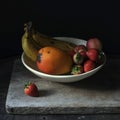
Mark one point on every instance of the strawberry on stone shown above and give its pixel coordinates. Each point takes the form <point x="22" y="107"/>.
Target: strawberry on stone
<point x="31" y="89"/>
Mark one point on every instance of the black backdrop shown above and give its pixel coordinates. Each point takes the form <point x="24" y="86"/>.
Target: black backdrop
<point x="81" y="19"/>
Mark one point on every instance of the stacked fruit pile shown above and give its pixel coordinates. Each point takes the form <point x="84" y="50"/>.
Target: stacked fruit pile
<point x="60" y="57"/>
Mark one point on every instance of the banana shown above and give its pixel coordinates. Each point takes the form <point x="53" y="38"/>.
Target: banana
<point x="43" y="40"/>
<point x="32" y="41"/>
<point x="29" y="46"/>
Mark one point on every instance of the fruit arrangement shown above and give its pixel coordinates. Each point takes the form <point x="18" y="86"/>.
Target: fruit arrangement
<point x="60" y="57"/>
<point x="87" y="57"/>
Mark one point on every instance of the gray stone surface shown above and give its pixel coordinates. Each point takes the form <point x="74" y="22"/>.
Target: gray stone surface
<point x="97" y="94"/>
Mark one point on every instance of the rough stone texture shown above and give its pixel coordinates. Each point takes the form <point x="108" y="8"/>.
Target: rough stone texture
<point x="97" y="94"/>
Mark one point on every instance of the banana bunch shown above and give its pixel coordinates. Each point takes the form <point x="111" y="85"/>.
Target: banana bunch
<point x="32" y="41"/>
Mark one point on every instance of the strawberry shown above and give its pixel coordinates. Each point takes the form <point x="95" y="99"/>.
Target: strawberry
<point x="80" y="48"/>
<point x="89" y="65"/>
<point x="77" y="69"/>
<point x="78" y="58"/>
<point x="83" y="53"/>
<point x="92" y="54"/>
<point x="31" y="90"/>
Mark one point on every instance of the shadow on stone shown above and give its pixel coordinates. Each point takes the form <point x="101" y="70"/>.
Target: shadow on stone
<point x="44" y="93"/>
<point x="101" y="81"/>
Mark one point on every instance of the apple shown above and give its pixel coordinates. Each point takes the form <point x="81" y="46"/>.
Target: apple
<point x="94" y="43"/>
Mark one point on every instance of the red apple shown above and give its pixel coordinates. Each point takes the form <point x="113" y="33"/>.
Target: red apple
<point x="94" y="43"/>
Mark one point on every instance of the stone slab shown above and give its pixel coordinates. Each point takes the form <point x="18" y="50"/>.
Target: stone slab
<point x="97" y="94"/>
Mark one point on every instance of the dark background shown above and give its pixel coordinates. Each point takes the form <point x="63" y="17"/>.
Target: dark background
<point x="82" y="19"/>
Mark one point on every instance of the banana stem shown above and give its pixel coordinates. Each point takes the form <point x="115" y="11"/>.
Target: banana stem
<point x="28" y="26"/>
<point x="27" y="29"/>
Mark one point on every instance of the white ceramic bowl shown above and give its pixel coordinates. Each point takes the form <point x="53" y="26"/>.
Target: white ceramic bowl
<point x="31" y="66"/>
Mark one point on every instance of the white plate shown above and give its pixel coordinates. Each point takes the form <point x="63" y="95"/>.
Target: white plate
<point x="31" y="66"/>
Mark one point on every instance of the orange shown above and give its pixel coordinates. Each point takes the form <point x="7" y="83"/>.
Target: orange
<point x="52" y="60"/>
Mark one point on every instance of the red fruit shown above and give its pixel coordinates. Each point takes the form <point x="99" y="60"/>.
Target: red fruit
<point x="89" y="65"/>
<point x="31" y="90"/>
<point x="83" y="53"/>
<point x="80" y="48"/>
<point x="92" y="54"/>
<point x="71" y="53"/>
<point x="94" y="43"/>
